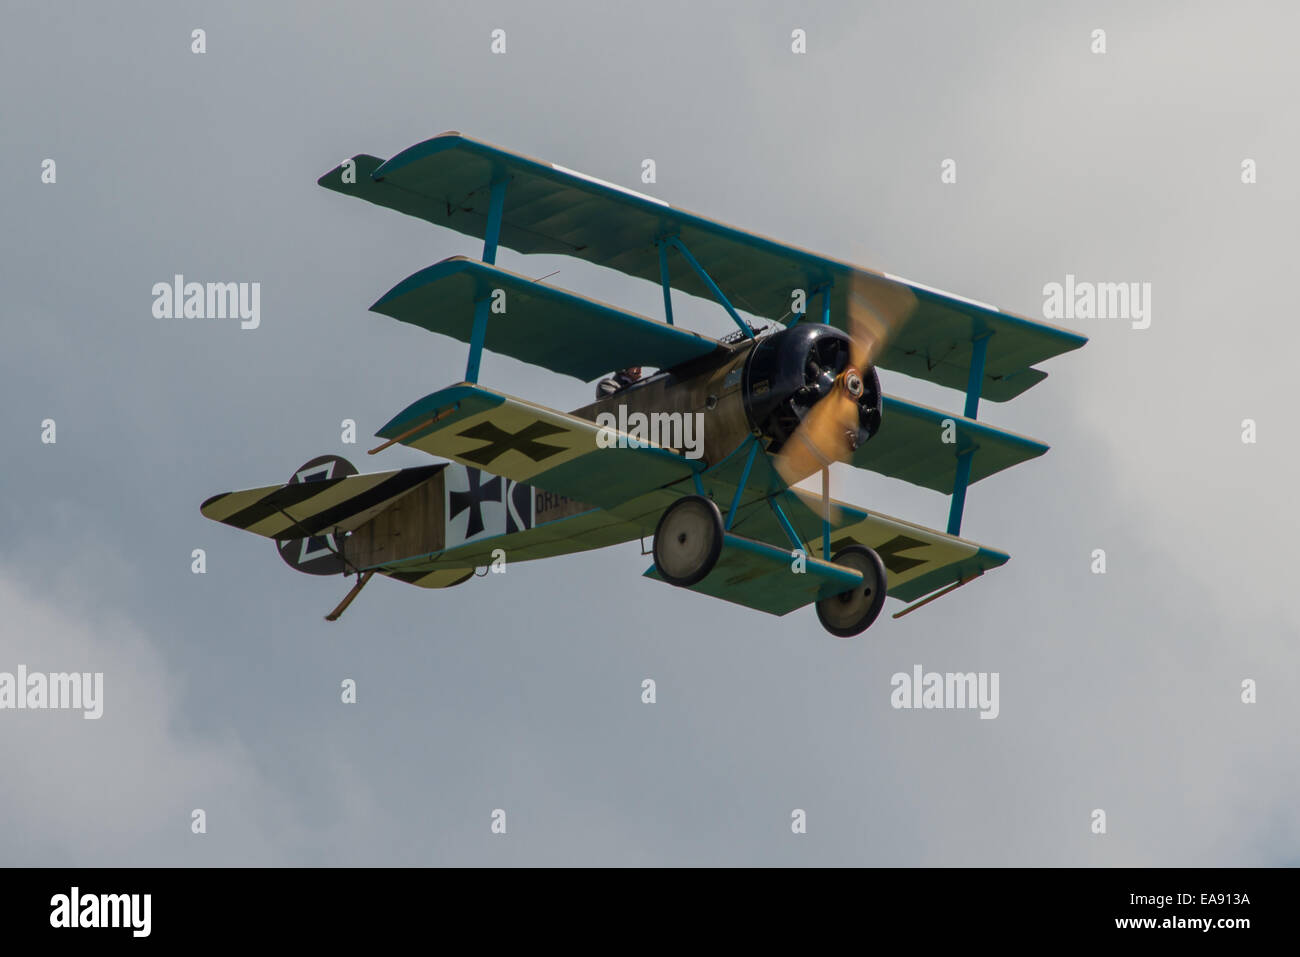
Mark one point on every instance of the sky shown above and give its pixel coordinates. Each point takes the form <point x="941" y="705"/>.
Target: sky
<point x="1120" y="692"/>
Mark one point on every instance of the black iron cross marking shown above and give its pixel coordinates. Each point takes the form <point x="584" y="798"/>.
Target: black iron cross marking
<point x="500" y="441"/>
<point x="889" y="552"/>
<point x="474" y="499"/>
<point x="896" y="563"/>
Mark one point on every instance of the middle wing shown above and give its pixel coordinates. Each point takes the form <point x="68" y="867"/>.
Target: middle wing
<point x="536" y="323"/>
<point x="923" y="446"/>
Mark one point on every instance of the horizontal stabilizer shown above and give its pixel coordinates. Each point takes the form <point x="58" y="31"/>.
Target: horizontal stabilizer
<point x="540" y="324"/>
<point x="306" y="509"/>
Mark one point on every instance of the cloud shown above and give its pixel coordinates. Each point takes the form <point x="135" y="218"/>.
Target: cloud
<point x="121" y="788"/>
<point x="522" y="691"/>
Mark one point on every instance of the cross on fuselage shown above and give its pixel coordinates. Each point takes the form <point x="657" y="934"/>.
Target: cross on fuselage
<point x="479" y="492"/>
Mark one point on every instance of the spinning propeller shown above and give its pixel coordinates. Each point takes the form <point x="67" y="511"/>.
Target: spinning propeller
<point x="876" y="309"/>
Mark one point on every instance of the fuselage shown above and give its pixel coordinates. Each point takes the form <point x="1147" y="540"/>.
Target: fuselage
<point x="758" y="387"/>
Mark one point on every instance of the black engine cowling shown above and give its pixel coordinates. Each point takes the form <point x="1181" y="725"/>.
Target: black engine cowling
<point x="787" y="373"/>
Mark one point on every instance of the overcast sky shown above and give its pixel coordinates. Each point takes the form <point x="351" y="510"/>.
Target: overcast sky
<point x="1119" y="691"/>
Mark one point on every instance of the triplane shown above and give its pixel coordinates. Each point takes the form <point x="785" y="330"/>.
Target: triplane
<point x="775" y="405"/>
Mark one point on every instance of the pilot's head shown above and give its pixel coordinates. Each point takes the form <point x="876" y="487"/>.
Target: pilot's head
<point x="632" y="372"/>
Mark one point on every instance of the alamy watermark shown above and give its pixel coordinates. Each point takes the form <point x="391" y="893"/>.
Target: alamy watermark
<point x="950" y="690"/>
<point x="179" y="299"/>
<point x="62" y="691"/>
<point x="1098" y="300"/>
<point x="683" y="431"/>
<point x="75" y="909"/>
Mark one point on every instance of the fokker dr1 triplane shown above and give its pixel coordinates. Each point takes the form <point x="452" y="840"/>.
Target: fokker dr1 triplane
<point x="773" y="405"/>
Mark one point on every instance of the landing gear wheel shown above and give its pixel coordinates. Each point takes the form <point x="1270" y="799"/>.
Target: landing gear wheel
<point x="688" y="540"/>
<point x="851" y="613"/>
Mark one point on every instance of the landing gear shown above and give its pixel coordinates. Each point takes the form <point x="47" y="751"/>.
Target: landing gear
<point x="688" y="540"/>
<point x="851" y="613"/>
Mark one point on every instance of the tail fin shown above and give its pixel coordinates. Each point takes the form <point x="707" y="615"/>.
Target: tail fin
<point x="317" y="554"/>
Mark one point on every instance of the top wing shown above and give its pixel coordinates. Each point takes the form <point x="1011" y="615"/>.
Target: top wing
<point x="551" y="450"/>
<point x="937" y="344"/>
<point x="447" y="180"/>
<point x="537" y="323"/>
